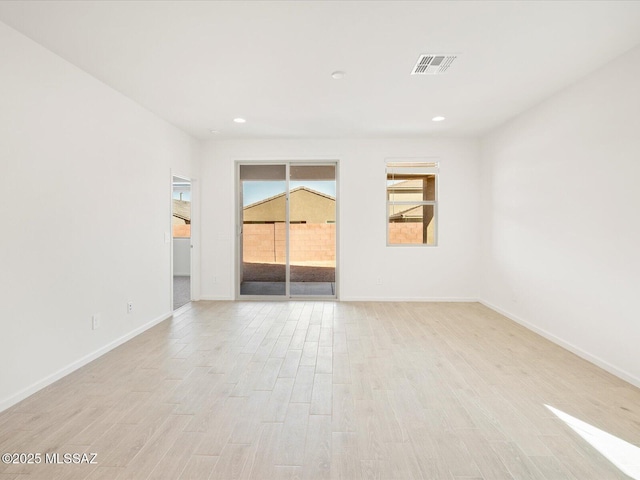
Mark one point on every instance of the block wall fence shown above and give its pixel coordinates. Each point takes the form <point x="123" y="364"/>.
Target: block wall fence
<point x="310" y="242"/>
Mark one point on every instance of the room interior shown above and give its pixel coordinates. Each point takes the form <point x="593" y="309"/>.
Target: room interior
<point x="102" y="103"/>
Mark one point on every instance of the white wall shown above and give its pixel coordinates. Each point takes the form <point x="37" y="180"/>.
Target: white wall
<point x="447" y="271"/>
<point x="182" y="256"/>
<point x="86" y="187"/>
<point x="561" y="193"/>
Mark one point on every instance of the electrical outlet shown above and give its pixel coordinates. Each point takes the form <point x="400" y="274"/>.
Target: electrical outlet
<point x="95" y="321"/>
<point x="129" y="307"/>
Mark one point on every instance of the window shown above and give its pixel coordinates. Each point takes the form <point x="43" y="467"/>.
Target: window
<point x="412" y="203"/>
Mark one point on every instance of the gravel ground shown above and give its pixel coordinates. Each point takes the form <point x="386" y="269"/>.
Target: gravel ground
<point x="268" y="272"/>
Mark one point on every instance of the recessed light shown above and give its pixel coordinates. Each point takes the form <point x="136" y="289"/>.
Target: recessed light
<point x="215" y="132"/>
<point x="338" y="75"/>
<point x="239" y="120"/>
<point x="437" y="119"/>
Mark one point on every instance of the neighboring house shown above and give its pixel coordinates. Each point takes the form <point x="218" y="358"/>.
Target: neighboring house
<point x="411" y="224"/>
<point x="181" y="219"/>
<point x="412" y="214"/>
<point x="305" y="206"/>
<point x="312" y="233"/>
<point x="416" y="189"/>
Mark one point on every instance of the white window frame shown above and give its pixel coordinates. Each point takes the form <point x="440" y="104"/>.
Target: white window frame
<point x="413" y="166"/>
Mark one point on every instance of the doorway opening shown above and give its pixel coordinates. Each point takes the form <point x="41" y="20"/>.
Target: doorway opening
<point x="287" y="230"/>
<point x="181" y="240"/>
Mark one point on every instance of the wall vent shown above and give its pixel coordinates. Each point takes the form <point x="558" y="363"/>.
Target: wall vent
<point x="433" y="63"/>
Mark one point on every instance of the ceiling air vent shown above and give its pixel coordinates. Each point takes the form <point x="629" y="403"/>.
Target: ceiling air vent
<point x="433" y="63"/>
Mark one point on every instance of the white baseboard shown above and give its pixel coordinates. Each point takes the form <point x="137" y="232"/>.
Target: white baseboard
<point x="39" y="385"/>
<point x="618" y="372"/>
<point x="215" y="298"/>
<point x="364" y="299"/>
<point x="408" y="299"/>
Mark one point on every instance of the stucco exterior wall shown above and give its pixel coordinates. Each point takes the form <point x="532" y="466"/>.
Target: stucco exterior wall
<point x="304" y="205"/>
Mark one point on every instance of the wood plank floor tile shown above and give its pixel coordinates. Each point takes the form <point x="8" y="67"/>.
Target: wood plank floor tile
<point x="232" y="462"/>
<point x="177" y="457"/>
<point x="275" y="409"/>
<point x="321" y="397"/>
<point x="324" y="361"/>
<point x="198" y="467"/>
<point x="294" y="433"/>
<point x="317" y="455"/>
<point x="289" y="368"/>
<point x="155" y="449"/>
<point x="303" y="386"/>
<point x="309" y="354"/>
<point x="340" y="390"/>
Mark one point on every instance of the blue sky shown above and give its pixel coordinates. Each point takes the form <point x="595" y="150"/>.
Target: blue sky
<point x="254" y="191"/>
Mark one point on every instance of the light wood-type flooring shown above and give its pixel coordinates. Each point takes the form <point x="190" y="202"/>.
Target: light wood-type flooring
<point x="285" y="390"/>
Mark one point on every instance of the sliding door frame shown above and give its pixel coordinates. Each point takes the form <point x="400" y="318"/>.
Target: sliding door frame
<point x="239" y="228"/>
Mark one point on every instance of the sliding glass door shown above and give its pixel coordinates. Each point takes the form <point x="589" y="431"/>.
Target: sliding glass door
<point x="287" y="230"/>
<point x="263" y="255"/>
<point x="312" y="229"/>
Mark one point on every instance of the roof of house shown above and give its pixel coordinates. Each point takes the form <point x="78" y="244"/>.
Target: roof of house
<point x="182" y="209"/>
<point x="407" y="185"/>
<point x="297" y="189"/>
<point x="409" y="212"/>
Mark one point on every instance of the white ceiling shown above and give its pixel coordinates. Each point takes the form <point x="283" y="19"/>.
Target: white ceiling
<point x="200" y="64"/>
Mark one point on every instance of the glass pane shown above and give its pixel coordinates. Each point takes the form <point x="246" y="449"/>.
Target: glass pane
<point x="312" y="230"/>
<point x="411" y="188"/>
<point x="412" y="224"/>
<point x="263" y="239"/>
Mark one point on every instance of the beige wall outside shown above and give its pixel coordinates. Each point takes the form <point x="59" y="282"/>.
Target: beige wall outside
<point x="305" y="205"/>
<point x="310" y="244"/>
<point x="403" y="233"/>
